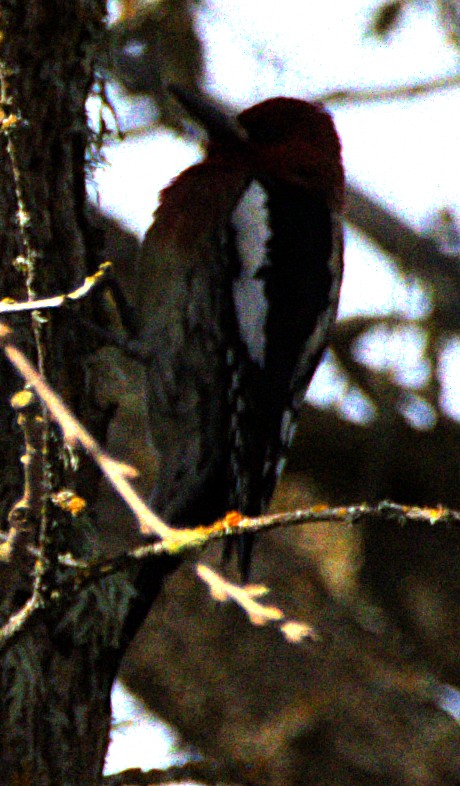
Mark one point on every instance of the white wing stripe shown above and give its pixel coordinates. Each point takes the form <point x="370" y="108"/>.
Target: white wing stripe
<point x="251" y="222"/>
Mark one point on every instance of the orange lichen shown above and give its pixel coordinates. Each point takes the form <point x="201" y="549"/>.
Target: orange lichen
<point x="70" y="502"/>
<point x="232" y="518"/>
<point x="8" y="122"/>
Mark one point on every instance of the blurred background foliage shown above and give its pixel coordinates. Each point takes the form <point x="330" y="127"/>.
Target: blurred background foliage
<point x="382" y="420"/>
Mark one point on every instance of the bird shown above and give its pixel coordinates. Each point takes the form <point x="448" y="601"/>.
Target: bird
<point x="239" y="279"/>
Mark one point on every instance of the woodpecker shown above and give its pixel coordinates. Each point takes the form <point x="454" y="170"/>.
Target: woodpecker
<point x="239" y="283"/>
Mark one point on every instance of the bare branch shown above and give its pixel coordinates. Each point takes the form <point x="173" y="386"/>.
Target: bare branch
<point x="416" y="253"/>
<point x="17" y="621"/>
<point x="74" y="432"/>
<point x="99" y="278"/>
<point x="186" y="541"/>
<point x="24" y="516"/>
<point x="192" y="770"/>
<point x="353" y="95"/>
<point x="223" y="590"/>
<point x="11" y="124"/>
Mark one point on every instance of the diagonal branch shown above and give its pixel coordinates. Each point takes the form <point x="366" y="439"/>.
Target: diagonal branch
<point x="416" y="253"/>
<point x="75" y="432"/>
<point x="351" y="95"/>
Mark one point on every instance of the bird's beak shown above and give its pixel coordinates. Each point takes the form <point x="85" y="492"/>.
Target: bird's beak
<point x="217" y="123"/>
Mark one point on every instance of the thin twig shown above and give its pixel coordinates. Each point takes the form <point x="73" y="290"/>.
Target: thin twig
<point x="246" y="598"/>
<point x="12" y="307"/>
<point x="401" y="92"/>
<point x="186" y="541"/>
<point x="25" y="513"/>
<point x="100" y="90"/>
<point x="17" y="621"/>
<point x="75" y="432"/>
<point x="10" y="126"/>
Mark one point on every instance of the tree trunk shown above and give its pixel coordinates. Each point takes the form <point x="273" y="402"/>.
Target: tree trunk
<point x="56" y="674"/>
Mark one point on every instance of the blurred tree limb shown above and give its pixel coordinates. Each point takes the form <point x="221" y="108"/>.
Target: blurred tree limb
<point x="349" y="96"/>
<point x="416" y="254"/>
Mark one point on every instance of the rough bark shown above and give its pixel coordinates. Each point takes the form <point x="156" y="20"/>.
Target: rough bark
<point x="56" y="674"/>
